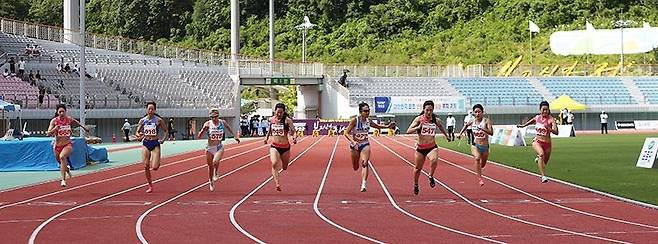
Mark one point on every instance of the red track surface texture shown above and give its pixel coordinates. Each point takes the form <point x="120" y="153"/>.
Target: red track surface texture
<point x="320" y="203"/>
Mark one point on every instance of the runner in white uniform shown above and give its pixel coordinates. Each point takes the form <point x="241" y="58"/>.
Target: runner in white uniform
<point x="215" y="148"/>
<point x="482" y="129"/>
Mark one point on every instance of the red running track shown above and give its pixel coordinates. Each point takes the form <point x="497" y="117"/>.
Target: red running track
<point x="320" y="203"/>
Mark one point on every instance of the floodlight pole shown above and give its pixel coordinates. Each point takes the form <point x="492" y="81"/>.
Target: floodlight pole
<point x="81" y="69"/>
<point x="271" y="37"/>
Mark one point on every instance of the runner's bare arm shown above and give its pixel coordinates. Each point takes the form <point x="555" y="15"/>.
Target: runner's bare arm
<point x="140" y="125"/>
<point x="75" y="122"/>
<point x="466" y="125"/>
<point x="554" y="128"/>
<point x="413" y="127"/>
<point x="349" y="128"/>
<point x="269" y="133"/>
<point x="203" y="130"/>
<point x="527" y="123"/>
<point x="488" y="127"/>
<point x="52" y="127"/>
<point x="164" y="128"/>
<point x="291" y="129"/>
<point x="228" y="127"/>
<point x="439" y="124"/>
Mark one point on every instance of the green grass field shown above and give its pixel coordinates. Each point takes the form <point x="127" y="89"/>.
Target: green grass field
<point x="605" y="163"/>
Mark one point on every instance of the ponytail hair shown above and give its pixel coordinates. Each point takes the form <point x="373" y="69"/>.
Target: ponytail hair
<point x="61" y="105"/>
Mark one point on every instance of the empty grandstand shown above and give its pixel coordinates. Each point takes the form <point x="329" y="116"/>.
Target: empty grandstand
<point x="590" y="90"/>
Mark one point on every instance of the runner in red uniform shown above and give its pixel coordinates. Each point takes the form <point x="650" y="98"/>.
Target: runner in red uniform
<point x="425" y="125"/>
<point x="280" y="127"/>
<point x="60" y="128"/>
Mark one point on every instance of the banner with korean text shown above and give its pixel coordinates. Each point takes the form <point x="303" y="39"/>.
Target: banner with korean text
<point x="413" y="105"/>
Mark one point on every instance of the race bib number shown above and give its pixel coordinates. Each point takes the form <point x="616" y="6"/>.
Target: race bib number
<point x="64" y="131"/>
<point x="277" y="130"/>
<point x="479" y="134"/>
<point x="360" y="136"/>
<point x="427" y="129"/>
<point x="216" y="134"/>
<point x="541" y="130"/>
<point x="150" y="130"/>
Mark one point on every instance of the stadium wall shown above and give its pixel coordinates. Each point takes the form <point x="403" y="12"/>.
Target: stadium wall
<point x="334" y="104"/>
<point x="582" y="121"/>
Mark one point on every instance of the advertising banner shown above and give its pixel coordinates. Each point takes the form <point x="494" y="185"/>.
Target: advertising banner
<point x="413" y="105"/>
<point x="647" y="157"/>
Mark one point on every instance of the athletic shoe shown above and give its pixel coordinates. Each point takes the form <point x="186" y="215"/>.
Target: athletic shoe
<point x="536" y="159"/>
<point x="481" y="182"/>
<point x="363" y="187"/>
<point x="544" y="179"/>
<point x="149" y="189"/>
<point x="212" y="185"/>
<point x="416" y="189"/>
<point x="278" y="188"/>
<point x="63" y="183"/>
<point x="432" y="182"/>
<point x="215" y="177"/>
<point x="68" y="171"/>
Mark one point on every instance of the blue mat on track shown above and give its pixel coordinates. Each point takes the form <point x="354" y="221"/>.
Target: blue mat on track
<point x="36" y="154"/>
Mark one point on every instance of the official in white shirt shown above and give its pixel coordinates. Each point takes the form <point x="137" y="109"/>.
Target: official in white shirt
<point x="126" y="129"/>
<point x="468" y="119"/>
<point x="450" y="123"/>
<point x="604" y="122"/>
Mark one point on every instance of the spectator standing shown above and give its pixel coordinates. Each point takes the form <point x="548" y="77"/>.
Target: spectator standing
<point x="604" y="122"/>
<point x="570" y="118"/>
<point x="450" y="123"/>
<point x="469" y="132"/>
<point x="12" y="65"/>
<point x="126" y="130"/>
<point x="172" y="132"/>
<point x="254" y="126"/>
<point x="264" y="124"/>
<point x="42" y="92"/>
<point x="244" y="125"/>
<point x="21" y="68"/>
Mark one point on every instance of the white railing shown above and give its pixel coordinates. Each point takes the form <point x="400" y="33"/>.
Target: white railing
<point x="278" y="69"/>
<point x="112" y="43"/>
<point x="489" y="70"/>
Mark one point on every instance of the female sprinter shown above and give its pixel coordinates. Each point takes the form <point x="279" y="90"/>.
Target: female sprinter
<point x="60" y="127"/>
<point x="215" y="149"/>
<point x="482" y="129"/>
<point x="544" y="126"/>
<point x="147" y="130"/>
<point x="357" y="133"/>
<point x="280" y="127"/>
<point x="425" y="125"/>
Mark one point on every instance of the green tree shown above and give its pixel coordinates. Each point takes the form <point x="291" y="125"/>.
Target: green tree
<point x="15" y="9"/>
<point x="49" y="12"/>
<point x="289" y="98"/>
<point x="248" y="108"/>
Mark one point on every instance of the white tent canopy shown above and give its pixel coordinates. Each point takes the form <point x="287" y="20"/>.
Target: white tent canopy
<point x="5" y="106"/>
<point x="604" y="41"/>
